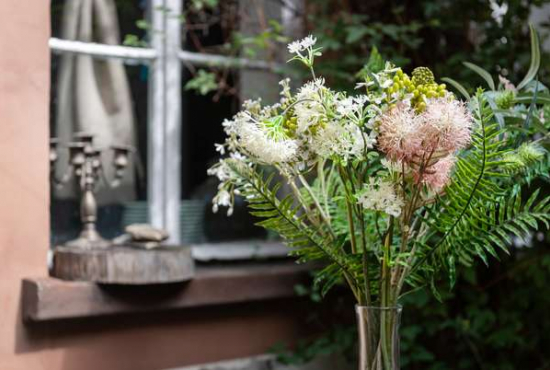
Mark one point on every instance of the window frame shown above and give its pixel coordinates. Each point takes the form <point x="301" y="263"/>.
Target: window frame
<point x="164" y="58"/>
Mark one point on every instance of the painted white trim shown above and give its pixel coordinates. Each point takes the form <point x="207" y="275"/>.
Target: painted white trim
<point x="238" y="250"/>
<point x="174" y="123"/>
<point x="212" y="60"/>
<point x="101" y="51"/>
<point x="129" y="53"/>
<point x="164" y="123"/>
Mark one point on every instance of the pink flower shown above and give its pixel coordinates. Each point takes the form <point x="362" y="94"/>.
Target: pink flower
<point x="426" y="142"/>
<point x="446" y="125"/>
<point x="398" y="134"/>
<point x="437" y="175"/>
<point x="507" y="84"/>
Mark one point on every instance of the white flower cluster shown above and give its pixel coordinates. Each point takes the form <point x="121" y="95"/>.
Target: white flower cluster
<point x="256" y="132"/>
<point x="343" y="140"/>
<point x="498" y="11"/>
<point x="301" y="45"/>
<point x="332" y="125"/>
<point x="309" y="108"/>
<point x="350" y="106"/>
<point x="380" y="195"/>
<point x="223" y="198"/>
<point x="254" y="138"/>
<point x="311" y="125"/>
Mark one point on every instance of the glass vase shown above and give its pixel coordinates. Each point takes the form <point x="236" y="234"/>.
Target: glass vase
<point x="378" y="329"/>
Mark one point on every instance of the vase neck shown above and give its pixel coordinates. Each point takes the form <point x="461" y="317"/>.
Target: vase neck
<point x="379" y="343"/>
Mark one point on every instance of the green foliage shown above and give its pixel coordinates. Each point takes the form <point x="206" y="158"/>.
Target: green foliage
<point x="199" y="5"/>
<point x="471" y="190"/>
<point x="136" y="41"/>
<point x="505" y="99"/>
<point x="339" y="339"/>
<point x="457" y="86"/>
<point x="283" y="216"/>
<point x="251" y="46"/>
<point x="375" y="64"/>
<point x="440" y="34"/>
<point x="203" y="82"/>
<point x="481" y="72"/>
<point x="482" y="209"/>
<point x="495" y="318"/>
<point x="535" y="59"/>
<point x="527" y="156"/>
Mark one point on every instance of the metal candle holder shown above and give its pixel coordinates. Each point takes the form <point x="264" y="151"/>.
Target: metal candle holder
<point x="85" y="164"/>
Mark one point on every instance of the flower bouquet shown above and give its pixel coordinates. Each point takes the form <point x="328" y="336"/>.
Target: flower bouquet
<point x="386" y="188"/>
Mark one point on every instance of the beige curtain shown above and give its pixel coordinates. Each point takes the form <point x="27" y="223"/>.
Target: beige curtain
<point x="94" y="95"/>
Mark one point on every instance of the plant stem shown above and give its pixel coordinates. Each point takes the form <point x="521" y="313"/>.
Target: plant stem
<point x="300" y="199"/>
<point x="321" y="174"/>
<point x="314" y="198"/>
<point x="349" y="208"/>
<point x="351" y="228"/>
<point x="385" y="301"/>
<point x="365" y="259"/>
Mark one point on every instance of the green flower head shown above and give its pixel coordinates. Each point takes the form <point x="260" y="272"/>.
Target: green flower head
<point x="422" y="76"/>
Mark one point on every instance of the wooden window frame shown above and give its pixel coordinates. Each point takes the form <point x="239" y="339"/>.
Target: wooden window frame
<point x="164" y="58"/>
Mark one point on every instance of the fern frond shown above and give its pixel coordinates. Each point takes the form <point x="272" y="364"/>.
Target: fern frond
<point x="510" y="218"/>
<point x="474" y="186"/>
<point x="478" y="216"/>
<point x="284" y="217"/>
<point x="473" y="182"/>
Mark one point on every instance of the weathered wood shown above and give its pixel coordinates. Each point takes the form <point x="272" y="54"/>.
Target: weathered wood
<point x="51" y="299"/>
<point x="124" y="265"/>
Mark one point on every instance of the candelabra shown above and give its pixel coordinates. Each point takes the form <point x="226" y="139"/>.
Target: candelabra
<point x="85" y="165"/>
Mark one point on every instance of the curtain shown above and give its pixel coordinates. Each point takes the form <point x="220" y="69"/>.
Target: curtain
<point x="94" y="95"/>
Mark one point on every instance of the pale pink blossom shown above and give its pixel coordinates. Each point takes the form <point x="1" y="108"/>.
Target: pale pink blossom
<point x="437" y="175"/>
<point x="507" y="84"/>
<point x="446" y="126"/>
<point x="398" y="134"/>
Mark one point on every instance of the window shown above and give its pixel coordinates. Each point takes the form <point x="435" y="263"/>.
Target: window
<point x="174" y="130"/>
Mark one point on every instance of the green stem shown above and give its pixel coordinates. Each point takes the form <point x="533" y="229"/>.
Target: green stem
<point x="385" y="301"/>
<point x="365" y="258"/>
<point x="351" y="228"/>
<point x="321" y="173"/>
<point x="314" y="198"/>
<point x="349" y="208"/>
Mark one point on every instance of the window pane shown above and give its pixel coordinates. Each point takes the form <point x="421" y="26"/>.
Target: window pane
<point x="105" y="98"/>
<point x="209" y="31"/>
<point x="94" y="83"/>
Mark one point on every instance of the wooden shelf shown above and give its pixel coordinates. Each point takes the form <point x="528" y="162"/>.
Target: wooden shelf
<point x="47" y="299"/>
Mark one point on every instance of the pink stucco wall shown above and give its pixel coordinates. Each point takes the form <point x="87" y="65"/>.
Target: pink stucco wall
<point x="24" y="85"/>
<point x="153" y="341"/>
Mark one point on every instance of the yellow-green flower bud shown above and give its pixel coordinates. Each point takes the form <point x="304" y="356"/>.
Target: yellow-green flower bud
<point x="421" y="106"/>
<point x="422" y="76"/>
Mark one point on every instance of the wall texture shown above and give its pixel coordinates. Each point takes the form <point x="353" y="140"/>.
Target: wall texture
<point x="24" y="89"/>
<point x="158" y="341"/>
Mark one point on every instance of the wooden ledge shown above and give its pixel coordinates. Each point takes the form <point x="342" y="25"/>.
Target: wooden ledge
<point x="52" y="299"/>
